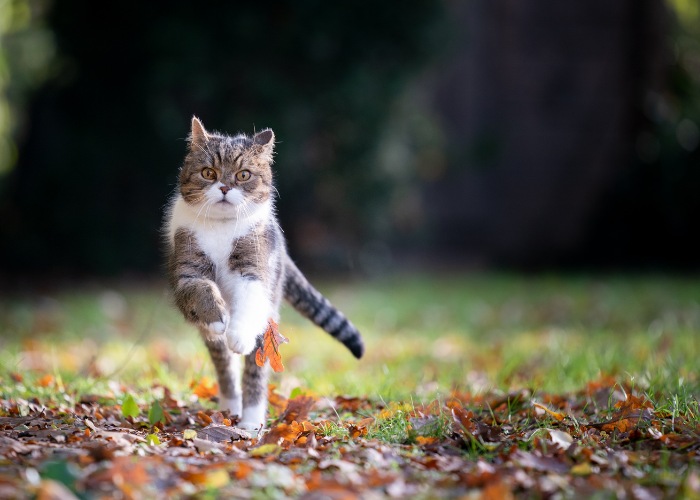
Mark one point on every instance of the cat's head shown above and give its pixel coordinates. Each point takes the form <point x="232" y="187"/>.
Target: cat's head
<point x="227" y="175"/>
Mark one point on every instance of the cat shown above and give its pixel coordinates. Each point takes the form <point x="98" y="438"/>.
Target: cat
<point x="228" y="266"/>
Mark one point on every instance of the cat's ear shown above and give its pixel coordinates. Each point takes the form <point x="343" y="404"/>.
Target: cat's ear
<point x="198" y="134"/>
<point x="265" y="138"/>
<point x="264" y="144"/>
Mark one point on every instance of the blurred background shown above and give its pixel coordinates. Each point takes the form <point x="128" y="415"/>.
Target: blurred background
<point x="459" y="134"/>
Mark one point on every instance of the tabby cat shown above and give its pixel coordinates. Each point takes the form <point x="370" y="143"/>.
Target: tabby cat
<point x="228" y="265"/>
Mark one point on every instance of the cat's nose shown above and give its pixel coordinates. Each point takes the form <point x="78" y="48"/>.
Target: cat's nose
<point x="225" y="189"/>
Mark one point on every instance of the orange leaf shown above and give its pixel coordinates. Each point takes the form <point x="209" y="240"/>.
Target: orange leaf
<point x="206" y="388"/>
<point x="270" y="349"/>
<point x="242" y="471"/>
<point x="555" y="414"/>
<point x="283" y="434"/>
<point x="276" y="400"/>
<point x="204" y="417"/>
<point x="425" y="441"/>
<point x="46" y="380"/>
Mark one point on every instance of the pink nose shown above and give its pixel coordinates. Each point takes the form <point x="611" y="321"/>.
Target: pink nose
<point x="225" y="189"/>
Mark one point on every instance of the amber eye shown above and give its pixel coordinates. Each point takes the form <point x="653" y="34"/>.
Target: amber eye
<point x="209" y="174"/>
<point x="243" y="175"/>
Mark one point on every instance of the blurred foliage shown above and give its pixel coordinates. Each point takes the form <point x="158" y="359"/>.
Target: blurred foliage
<point x="95" y="106"/>
<point x="651" y="215"/>
<point x="107" y="130"/>
<point x="26" y="49"/>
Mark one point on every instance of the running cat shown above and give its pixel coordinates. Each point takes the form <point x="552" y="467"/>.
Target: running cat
<point x="228" y="265"/>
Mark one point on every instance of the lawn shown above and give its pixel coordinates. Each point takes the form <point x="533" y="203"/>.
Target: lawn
<point x="479" y="385"/>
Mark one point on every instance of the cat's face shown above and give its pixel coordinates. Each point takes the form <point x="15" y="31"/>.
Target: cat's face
<point x="225" y="176"/>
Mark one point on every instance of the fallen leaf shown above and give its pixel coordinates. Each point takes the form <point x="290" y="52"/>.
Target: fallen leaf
<point x="204" y="418"/>
<point x="155" y="413"/>
<point x="206" y="388"/>
<point x="270" y="349"/>
<point x="46" y="380"/>
<point x="298" y="409"/>
<point x="554" y="414"/>
<point x="129" y="407"/>
<point x="189" y="434"/>
<point x="425" y="441"/>
<point x="562" y="439"/>
<point x="242" y="471"/>
<point x="276" y="400"/>
<point x="283" y="434"/>
<point x="582" y="469"/>
<point x="210" y="479"/>
<point x="222" y="433"/>
<point x="538" y="462"/>
<point x="153" y="439"/>
<point x="496" y="491"/>
<point x="266" y="450"/>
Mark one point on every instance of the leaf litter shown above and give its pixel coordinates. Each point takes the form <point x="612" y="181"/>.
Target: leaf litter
<point x="494" y="445"/>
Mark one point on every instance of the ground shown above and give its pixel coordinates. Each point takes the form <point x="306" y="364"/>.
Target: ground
<point x="490" y="386"/>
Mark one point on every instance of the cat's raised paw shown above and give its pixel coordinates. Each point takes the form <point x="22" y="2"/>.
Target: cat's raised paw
<point x="241" y="344"/>
<point x="218" y="327"/>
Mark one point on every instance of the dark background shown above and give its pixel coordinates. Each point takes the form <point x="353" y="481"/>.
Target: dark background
<point x="502" y="134"/>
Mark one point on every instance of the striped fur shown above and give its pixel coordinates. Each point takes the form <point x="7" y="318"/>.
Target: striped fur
<point x="228" y="265"/>
<point x="311" y="304"/>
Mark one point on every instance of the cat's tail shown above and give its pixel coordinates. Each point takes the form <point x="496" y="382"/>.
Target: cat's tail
<point x="310" y="303"/>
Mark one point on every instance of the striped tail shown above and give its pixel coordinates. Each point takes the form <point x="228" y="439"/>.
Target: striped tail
<point x="310" y="303"/>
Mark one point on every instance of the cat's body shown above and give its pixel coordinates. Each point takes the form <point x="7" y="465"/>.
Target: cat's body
<point x="228" y="265"/>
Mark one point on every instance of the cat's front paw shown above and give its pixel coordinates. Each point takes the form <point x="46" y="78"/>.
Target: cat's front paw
<point x="243" y="333"/>
<point x="241" y="344"/>
<point x="216" y="328"/>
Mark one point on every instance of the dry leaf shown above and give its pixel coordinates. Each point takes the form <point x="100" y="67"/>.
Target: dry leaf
<point x="270" y="349"/>
<point x="46" y="380"/>
<point x="206" y="388"/>
<point x="554" y="414"/>
<point x="298" y="408"/>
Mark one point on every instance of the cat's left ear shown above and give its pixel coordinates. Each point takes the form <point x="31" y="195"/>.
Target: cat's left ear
<point x="265" y="138"/>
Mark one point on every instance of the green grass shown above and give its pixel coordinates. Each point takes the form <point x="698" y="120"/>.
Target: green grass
<point x="425" y="336"/>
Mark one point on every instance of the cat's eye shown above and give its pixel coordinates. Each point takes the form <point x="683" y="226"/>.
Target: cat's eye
<point x="209" y="174"/>
<point x="243" y="175"/>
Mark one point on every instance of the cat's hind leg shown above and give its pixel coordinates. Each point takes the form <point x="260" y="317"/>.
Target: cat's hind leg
<point x="254" y="393"/>
<point x="228" y="372"/>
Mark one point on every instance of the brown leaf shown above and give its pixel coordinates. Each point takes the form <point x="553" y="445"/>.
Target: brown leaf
<point x="217" y="418"/>
<point x="276" y="400"/>
<point x="535" y="461"/>
<point x="496" y="491"/>
<point x="204" y="418"/>
<point x="352" y="404"/>
<point x="628" y="415"/>
<point x="298" y="408"/>
<point x="222" y="433"/>
<point x="283" y="434"/>
<point x="272" y="339"/>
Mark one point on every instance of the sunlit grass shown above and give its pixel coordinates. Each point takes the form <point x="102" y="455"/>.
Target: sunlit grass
<point x="425" y="337"/>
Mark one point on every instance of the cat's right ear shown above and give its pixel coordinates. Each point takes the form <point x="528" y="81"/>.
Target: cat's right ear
<point x="198" y="135"/>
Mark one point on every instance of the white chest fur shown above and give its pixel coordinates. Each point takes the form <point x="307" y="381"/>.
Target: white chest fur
<point x="215" y="236"/>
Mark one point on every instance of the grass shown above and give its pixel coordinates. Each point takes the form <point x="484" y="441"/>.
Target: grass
<point x="425" y="337"/>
